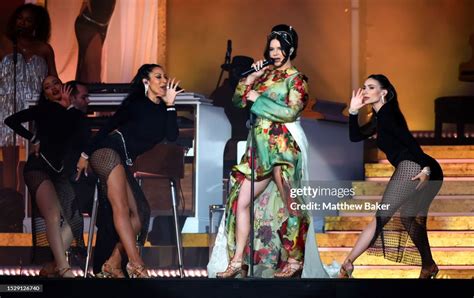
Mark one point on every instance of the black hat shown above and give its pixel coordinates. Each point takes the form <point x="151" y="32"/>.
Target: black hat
<point x="239" y="62"/>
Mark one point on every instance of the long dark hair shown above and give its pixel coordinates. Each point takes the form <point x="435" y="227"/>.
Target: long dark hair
<point x="42" y="97"/>
<point x="288" y="39"/>
<point x="390" y="99"/>
<point x="137" y="89"/>
<point x="42" y="23"/>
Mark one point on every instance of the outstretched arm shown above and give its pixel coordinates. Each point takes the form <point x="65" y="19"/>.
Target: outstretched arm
<point x="15" y="122"/>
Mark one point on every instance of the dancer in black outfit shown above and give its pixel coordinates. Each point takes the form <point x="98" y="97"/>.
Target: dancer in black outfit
<point x="399" y="233"/>
<point x="49" y="187"/>
<point x="146" y="117"/>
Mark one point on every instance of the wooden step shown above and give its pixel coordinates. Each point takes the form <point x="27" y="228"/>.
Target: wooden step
<point x="448" y="272"/>
<point x="329" y="239"/>
<point x="25" y="239"/>
<point x="348" y="239"/>
<point x="449" y="170"/>
<point x="377" y="188"/>
<point x="442" y="257"/>
<point x="441" y="205"/>
<point x="437" y="239"/>
<point x="437" y="152"/>
<point x="435" y="223"/>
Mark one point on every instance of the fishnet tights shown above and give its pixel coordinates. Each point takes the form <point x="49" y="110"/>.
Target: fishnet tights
<point x="69" y="212"/>
<point x="103" y="161"/>
<point x="400" y="233"/>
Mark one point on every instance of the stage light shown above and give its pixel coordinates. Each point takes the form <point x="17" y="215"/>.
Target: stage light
<point x="154" y="273"/>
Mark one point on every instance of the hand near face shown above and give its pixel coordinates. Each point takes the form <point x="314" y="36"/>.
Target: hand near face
<point x="260" y="70"/>
<point x="65" y="96"/>
<point x="171" y="92"/>
<point x="357" y="100"/>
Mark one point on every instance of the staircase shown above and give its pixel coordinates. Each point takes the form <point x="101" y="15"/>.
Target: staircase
<point x="450" y="221"/>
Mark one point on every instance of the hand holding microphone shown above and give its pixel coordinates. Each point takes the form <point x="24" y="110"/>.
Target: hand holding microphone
<point x="257" y="69"/>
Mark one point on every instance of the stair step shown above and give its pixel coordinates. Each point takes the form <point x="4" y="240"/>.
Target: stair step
<point x="449" y="170"/>
<point x="441" y="205"/>
<point x="25" y="239"/>
<point x="328" y="239"/>
<point x="437" y="152"/>
<point x="435" y="223"/>
<point x="377" y="188"/>
<point x="437" y="239"/>
<point x="448" y="272"/>
<point x="442" y="256"/>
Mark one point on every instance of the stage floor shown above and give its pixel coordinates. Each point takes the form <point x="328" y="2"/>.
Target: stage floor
<point x="210" y="288"/>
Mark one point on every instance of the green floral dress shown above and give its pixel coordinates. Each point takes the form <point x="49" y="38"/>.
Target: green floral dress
<point x="280" y="232"/>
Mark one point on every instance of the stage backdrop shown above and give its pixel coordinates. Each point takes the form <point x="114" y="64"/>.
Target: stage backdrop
<point x="115" y="37"/>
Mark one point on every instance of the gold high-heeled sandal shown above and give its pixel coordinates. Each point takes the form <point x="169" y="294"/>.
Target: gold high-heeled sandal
<point x="234" y="270"/>
<point x="108" y="271"/>
<point x="290" y="270"/>
<point x="48" y="270"/>
<point x="63" y="271"/>
<point x="429" y="273"/>
<point x="137" y="271"/>
<point x="345" y="272"/>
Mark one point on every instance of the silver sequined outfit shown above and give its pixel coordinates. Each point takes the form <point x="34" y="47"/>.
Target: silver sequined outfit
<point x="30" y="75"/>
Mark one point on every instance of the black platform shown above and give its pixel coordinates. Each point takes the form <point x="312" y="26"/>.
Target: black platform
<point x="203" y="287"/>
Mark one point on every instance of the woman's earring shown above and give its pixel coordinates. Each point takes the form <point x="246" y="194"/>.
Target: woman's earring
<point x="146" y="89"/>
<point x="383" y="99"/>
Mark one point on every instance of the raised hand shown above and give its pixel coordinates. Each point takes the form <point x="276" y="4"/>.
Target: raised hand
<point x="171" y="92"/>
<point x="65" y="96"/>
<point x="357" y="100"/>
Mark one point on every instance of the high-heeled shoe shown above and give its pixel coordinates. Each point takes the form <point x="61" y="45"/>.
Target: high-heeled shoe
<point x="346" y="269"/>
<point x="66" y="272"/>
<point x="292" y="269"/>
<point x="234" y="269"/>
<point x="430" y="272"/>
<point x="48" y="270"/>
<point x="107" y="271"/>
<point x="137" y="271"/>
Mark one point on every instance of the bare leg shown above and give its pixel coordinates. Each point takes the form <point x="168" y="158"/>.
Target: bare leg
<point x="92" y="60"/>
<point x="48" y="204"/>
<point x="362" y="242"/>
<point x="243" y="215"/>
<point x="66" y="235"/>
<point x="115" y="260"/>
<point x="118" y="197"/>
<point x="279" y="181"/>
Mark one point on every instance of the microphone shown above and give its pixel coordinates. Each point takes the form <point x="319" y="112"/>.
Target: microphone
<point x="18" y="32"/>
<point x="252" y="70"/>
<point x="229" y="51"/>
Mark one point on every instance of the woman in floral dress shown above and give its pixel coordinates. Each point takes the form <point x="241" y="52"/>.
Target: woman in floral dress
<point x="284" y="238"/>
